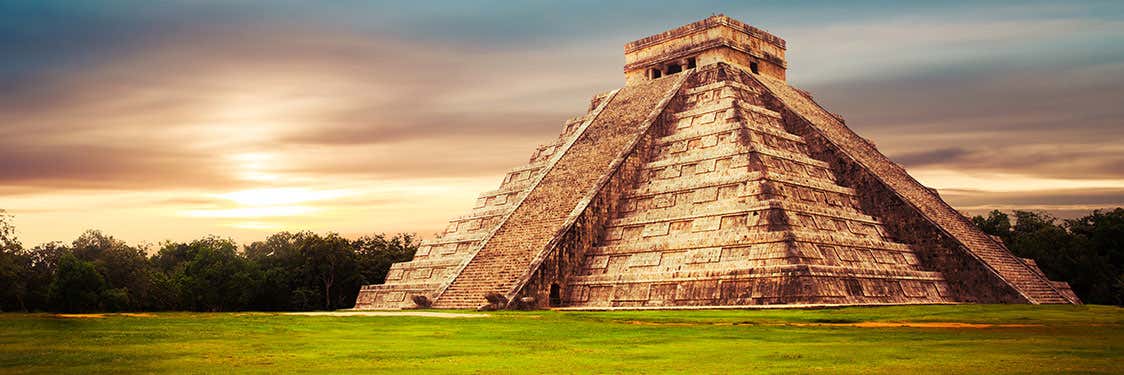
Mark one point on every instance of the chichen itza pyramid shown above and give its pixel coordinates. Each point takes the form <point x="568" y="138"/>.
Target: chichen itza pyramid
<point x="708" y="181"/>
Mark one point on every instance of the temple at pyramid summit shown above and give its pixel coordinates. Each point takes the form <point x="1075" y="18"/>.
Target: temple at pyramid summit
<point x="708" y="181"/>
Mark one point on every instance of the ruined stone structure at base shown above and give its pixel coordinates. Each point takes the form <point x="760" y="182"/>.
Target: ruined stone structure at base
<point x="708" y="181"/>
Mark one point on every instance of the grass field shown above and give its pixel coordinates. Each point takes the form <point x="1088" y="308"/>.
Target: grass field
<point x="996" y="339"/>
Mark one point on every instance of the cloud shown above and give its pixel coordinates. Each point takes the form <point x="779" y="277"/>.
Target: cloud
<point x="904" y="46"/>
<point x="148" y="143"/>
<point x="93" y="166"/>
<point x="1064" y="203"/>
<point x="1076" y="162"/>
<point x="1046" y="121"/>
<point x="142" y="118"/>
<point x="938" y="156"/>
<point x="175" y="114"/>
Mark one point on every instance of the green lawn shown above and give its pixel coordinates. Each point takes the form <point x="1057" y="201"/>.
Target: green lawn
<point x="1048" y="339"/>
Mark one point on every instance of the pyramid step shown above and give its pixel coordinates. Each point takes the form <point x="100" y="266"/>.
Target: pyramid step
<point x="733" y="145"/>
<point x="926" y="202"/>
<point x="508" y="254"/>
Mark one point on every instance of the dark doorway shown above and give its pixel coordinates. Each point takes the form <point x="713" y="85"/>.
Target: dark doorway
<point x="555" y="295"/>
<point x="753" y="68"/>
<point x="691" y="63"/>
<point x="656" y="73"/>
<point x="674" y="68"/>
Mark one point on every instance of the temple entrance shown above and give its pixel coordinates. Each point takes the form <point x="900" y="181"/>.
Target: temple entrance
<point x="555" y="295"/>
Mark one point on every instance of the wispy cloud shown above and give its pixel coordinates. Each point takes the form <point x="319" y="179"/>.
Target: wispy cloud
<point x="170" y="120"/>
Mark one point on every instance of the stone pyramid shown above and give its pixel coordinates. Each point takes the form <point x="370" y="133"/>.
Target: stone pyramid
<point x="708" y="181"/>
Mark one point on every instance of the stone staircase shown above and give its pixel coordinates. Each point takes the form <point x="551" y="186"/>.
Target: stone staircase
<point x="436" y="258"/>
<point x="507" y="255"/>
<point x="1030" y="284"/>
<point x="729" y="209"/>
<point x="716" y="185"/>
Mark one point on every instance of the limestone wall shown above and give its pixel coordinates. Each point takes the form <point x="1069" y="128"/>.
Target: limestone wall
<point x="519" y="245"/>
<point x="979" y="268"/>
<point x="440" y="258"/>
<point x="730" y="210"/>
<point x="709" y="41"/>
<point x="712" y="187"/>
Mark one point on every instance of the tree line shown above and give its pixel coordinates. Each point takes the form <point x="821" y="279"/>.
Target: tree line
<point x="1087" y="252"/>
<point x="286" y="271"/>
<point x="307" y="271"/>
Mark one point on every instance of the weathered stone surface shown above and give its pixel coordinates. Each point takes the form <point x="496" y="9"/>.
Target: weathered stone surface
<point x="716" y="184"/>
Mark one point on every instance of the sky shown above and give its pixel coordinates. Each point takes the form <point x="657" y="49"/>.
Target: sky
<point x="155" y="121"/>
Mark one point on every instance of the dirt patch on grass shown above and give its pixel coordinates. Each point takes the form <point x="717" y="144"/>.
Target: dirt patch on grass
<point x="429" y="314"/>
<point x="953" y="325"/>
<point x="947" y="325"/>
<point x="80" y="316"/>
<point x="100" y="316"/>
<point x="643" y="323"/>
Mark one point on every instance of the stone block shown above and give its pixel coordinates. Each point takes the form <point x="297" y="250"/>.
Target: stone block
<point x="706" y="223"/>
<point x="645" y="259"/>
<point x="630" y="292"/>
<point x="740" y="190"/>
<point x="704" y="255"/>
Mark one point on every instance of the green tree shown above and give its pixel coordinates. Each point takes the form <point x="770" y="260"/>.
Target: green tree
<point x="43" y="262"/>
<point x="281" y="264"/>
<point x="330" y="260"/>
<point x="165" y="293"/>
<point x="1062" y="255"/>
<point x="8" y="239"/>
<point x="206" y="275"/>
<point x="996" y="223"/>
<point x="123" y="267"/>
<point x="375" y="254"/>
<point x="1105" y="231"/>
<point x="78" y="287"/>
<point x="1037" y="236"/>
<point x="14" y="267"/>
<point x="1086" y="252"/>
<point x="306" y="270"/>
<point x="1102" y="236"/>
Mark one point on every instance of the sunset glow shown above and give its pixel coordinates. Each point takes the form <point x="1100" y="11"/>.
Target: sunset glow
<point x="175" y="121"/>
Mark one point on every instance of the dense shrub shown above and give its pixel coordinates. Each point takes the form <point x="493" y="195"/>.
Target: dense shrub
<point x="1087" y="252"/>
<point x="286" y="271"/>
